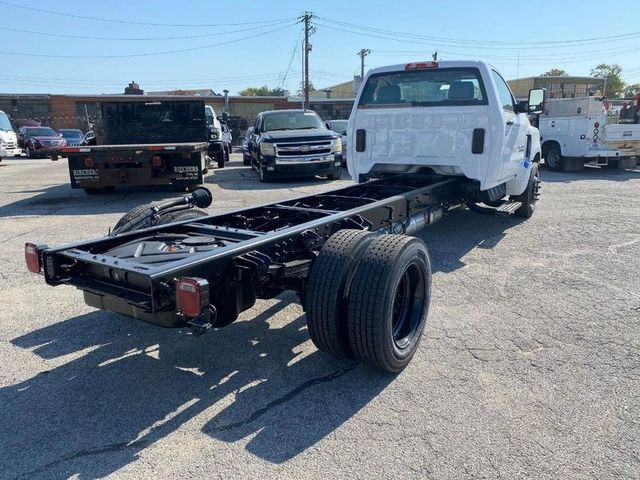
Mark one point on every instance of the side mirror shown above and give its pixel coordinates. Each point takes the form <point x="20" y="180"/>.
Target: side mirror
<point x="537" y="99"/>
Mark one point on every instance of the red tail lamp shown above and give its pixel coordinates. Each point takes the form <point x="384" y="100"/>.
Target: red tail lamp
<point x="192" y="296"/>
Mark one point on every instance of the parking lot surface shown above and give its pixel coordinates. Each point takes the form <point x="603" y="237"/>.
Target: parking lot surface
<point x="529" y="368"/>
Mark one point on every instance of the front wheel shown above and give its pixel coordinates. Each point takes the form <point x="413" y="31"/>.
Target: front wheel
<point x="529" y="197"/>
<point x="29" y="152"/>
<point x="264" y="176"/>
<point x="553" y="159"/>
<point x="334" y="176"/>
<point x="389" y="301"/>
<point x="220" y="157"/>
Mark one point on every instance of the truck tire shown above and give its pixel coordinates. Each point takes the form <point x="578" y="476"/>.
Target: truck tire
<point x="263" y="175"/>
<point x="529" y="197"/>
<point x="389" y="301"/>
<point x="328" y="290"/>
<point x="246" y="161"/>
<point x="220" y="158"/>
<point x="553" y="159"/>
<point x="334" y="176"/>
<point x="628" y="162"/>
<point x="134" y="218"/>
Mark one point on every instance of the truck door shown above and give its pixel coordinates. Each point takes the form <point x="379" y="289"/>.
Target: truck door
<point x="515" y="130"/>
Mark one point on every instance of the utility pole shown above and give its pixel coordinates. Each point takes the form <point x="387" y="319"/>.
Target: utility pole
<point x="363" y="53"/>
<point x="308" y="30"/>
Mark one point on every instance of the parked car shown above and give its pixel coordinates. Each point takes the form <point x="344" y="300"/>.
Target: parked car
<point x="340" y="127"/>
<point x="73" y="136"/>
<point x="294" y="143"/>
<point x="246" y="147"/>
<point x="40" y="141"/>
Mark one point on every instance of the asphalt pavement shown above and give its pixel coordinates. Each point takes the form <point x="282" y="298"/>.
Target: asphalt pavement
<point x="529" y="366"/>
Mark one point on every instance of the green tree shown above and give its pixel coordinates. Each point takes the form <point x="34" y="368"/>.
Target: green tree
<point x="611" y="72"/>
<point x="556" y="72"/>
<point x="263" y="91"/>
<point x="630" y="91"/>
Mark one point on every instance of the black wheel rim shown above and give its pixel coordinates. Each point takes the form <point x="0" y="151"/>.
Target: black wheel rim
<point x="408" y="306"/>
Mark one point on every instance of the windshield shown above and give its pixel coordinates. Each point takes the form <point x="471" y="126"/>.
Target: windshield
<point x="4" y="122"/>
<point x="71" y="133"/>
<point x="338" y="125"/>
<point x="291" y="121"/>
<point x="41" y="132"/>
<point x="425" y="88"/>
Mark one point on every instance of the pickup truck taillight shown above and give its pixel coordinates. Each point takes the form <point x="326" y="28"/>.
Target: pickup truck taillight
<point x="192" y="296"/>
<point x="32" y="257"/>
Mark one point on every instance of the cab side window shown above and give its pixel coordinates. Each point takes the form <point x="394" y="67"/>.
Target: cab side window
<point x="503" y="91"/>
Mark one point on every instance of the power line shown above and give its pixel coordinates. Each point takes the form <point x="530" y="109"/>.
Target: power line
<point x="474" y="42"/>
<point x="149" y="54"/>
<point x="413" y="39"/>
<point x="130" y="22"/>
<point x="185" y="37"/>
<point x="293" y="54"/>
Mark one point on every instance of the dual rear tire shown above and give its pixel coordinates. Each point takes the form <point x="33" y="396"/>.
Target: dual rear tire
<point x="368" y="298"/>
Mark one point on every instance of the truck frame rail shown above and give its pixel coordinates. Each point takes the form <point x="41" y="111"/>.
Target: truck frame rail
<point x="249" y="253"/>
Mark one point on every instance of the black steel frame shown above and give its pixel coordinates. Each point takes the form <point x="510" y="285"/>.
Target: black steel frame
<point x="265" y="249"/>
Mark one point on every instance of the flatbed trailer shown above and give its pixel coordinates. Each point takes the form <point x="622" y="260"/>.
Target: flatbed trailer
<point x="346" y="252"/>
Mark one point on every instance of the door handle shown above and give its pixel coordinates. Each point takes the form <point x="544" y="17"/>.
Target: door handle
<point x="509" y="123"/>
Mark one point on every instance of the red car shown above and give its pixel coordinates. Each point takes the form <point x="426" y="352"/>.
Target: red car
<point x="39" y="141"/>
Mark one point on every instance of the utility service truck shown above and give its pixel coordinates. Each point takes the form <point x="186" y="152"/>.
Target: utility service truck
<point x="143" y="142"/>
<point x="581" y="131"/>
<point x="429" y="138"/>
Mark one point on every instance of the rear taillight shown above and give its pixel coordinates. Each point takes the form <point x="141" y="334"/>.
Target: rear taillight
<point x="32" y="257"/>
<point x="192" y="296"/>
<point x="88" y="162"/>
<point x="156" y="161"/>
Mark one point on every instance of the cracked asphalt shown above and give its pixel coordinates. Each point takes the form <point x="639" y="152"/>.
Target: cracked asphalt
<point x="529" y="367"/>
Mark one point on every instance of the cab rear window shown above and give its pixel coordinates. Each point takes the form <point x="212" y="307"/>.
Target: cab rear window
<point x="424" y="88"/>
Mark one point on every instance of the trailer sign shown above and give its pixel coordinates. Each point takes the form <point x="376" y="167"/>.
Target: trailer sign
<point x="86" y="174"/>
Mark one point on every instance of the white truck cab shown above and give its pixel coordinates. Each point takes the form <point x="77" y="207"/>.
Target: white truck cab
<point x="8" y="139"/>
<point x="449" y="117"/>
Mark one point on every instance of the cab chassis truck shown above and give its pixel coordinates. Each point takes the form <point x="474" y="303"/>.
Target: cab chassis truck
<point x="364" y="283"/>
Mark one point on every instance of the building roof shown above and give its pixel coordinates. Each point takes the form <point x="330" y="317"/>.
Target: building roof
<point x="196" y="92"/>
<point x="565" y="79"/>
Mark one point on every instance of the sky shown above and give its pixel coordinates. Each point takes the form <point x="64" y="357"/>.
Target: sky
<point x="95" y="46"/>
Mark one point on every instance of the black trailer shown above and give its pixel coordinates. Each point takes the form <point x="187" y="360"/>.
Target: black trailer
<point x="364" y="283"/>
<point x="142" y="142"/>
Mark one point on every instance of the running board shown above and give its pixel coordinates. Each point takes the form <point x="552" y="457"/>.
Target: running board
<point x="507" y="208"/>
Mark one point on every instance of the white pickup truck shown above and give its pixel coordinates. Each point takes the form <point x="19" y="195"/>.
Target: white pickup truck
<point x="450" y="117"/>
